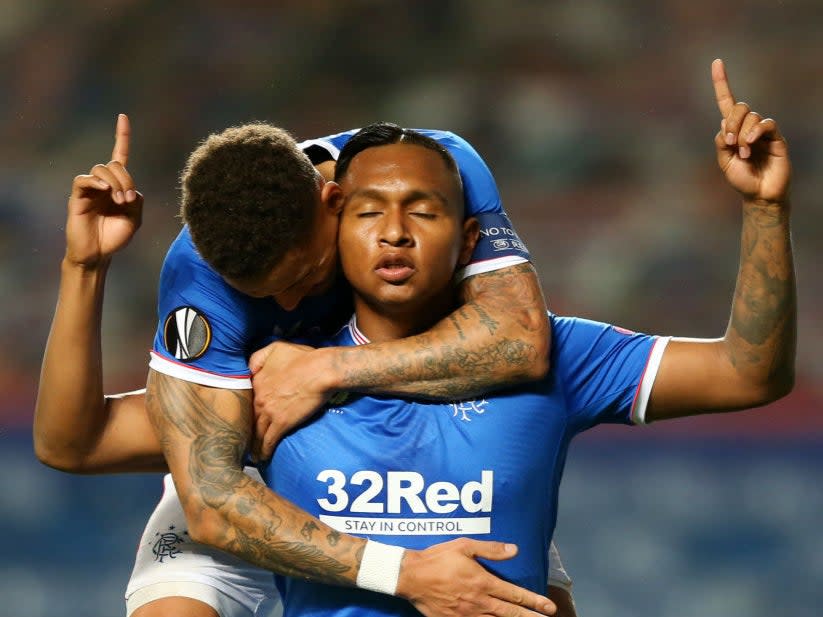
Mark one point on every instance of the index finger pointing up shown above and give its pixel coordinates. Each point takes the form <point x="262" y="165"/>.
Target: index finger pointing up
<point x="122" y="133"/>
<point x="722" y="91"/>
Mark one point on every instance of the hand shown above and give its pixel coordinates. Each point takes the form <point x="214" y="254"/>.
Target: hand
<point x="104" y="209"/>
<point x="288" y="388"/>
<point x="445" y="580"/>
<point x="750" y="149"/>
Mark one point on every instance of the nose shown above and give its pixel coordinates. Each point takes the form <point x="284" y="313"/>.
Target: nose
<point x="394" y="230"/>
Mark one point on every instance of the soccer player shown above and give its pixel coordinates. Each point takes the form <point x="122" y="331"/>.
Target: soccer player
<point x="413" y="472"/>
<point x="230" y="324"/>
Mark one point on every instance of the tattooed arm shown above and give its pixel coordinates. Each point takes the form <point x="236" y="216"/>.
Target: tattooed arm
<point x="753" y="364"/>
<point x="498" y="337"/>
<point x="204" y="433"/>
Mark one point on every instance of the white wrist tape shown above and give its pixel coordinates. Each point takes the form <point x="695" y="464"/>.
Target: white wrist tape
<point x="380" y="567"/>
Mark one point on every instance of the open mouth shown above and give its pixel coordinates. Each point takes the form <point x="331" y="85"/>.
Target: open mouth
<point x="395" y="269"/>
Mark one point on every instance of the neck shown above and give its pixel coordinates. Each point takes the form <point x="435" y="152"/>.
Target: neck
<point x="381" y="323"/>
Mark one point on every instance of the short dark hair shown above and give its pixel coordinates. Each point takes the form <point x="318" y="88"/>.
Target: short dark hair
<point x="385" y="134"/>
<point x="249" y="196"/>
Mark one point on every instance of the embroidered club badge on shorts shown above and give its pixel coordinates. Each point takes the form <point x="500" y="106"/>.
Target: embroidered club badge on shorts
<point x="186" y="333"/>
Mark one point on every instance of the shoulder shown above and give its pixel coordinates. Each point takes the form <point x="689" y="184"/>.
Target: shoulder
<point x="182" y="252"/>
<point x="574" y="338"/>
<point x="184" y="264"/>
<point x="186" y="280"/>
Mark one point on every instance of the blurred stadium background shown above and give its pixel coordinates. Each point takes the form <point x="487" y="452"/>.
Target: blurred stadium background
<point x="597" y="118"/>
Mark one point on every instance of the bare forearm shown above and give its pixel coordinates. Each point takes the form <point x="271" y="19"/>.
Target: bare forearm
<point x="225" y="507"/>
<point x="761" y="336"/>
<point x="70" y="409"/>
<point x="500" y="336"/>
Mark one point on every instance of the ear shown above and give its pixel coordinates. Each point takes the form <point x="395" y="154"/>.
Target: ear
<point x="332" y="198"/>
<point x="471" y="231"/>
<point x="326" y="169"/>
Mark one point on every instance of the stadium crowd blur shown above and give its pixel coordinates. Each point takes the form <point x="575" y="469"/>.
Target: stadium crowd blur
<point x="596" y="117"/>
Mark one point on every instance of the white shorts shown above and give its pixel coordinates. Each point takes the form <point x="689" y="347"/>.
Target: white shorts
<point x="169" y="563"/>
<point x="558" y="577"/>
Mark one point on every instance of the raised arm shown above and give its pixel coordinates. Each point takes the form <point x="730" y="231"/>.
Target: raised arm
<point x="753" y="364"/>
<point x="75" y="427"/>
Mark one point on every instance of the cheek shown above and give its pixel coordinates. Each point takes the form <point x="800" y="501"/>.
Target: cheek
<point x="350" y="248"/>
<point x="442" y="256"/>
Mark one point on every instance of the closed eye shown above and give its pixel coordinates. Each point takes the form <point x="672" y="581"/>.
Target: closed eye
<point x="370" y="214"/>
<point x="424" y="215"/>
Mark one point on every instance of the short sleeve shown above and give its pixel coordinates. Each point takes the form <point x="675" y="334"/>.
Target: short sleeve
<point x="205" y="328"/>
<point x="606" y="372"/>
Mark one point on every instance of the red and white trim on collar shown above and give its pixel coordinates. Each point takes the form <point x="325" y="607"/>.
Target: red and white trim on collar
<point x="356" y="334"/>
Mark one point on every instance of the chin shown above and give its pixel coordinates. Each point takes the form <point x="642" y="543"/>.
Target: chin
<point x="396" y="298"/>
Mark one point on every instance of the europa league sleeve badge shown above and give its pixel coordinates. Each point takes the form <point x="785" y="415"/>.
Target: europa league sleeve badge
<point x="186" y="333"/>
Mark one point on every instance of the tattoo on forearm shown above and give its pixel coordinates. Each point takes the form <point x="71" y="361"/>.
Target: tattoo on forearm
<point x="765" y="293"/>
<point x="256" y="525"/>
<point x="457" y="327"/>
<point x="308" y="529"/>
<point x="295" y="558"/>
<point x="449" y="371"/>
<point x="480" y="350"/>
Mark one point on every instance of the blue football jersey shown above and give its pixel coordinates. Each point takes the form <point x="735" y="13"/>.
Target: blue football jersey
<point x="415" y="473"/>
<point x="207" y="330"/>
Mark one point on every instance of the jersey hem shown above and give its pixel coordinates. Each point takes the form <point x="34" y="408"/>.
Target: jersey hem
<point x="222" y="599"/>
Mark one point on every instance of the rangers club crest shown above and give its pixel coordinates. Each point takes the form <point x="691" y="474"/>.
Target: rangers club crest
<point x="465" y="409"/>
<point x="167" y="544"/>
<point x="186" y="333"/>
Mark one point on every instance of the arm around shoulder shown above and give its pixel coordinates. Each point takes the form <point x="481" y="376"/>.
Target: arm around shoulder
<point x="498" y="337"/>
